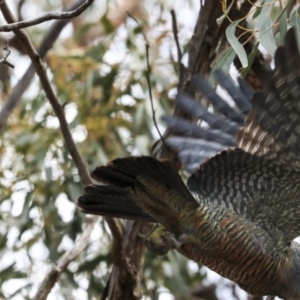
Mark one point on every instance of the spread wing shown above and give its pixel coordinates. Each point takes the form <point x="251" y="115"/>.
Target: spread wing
<point x="272" y="128"/>
<point x="254" y="187"/>
<point x="260" y="179"/>
<point x="195" y="144"/>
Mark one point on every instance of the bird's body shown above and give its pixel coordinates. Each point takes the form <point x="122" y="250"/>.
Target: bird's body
<point x="240" y="210"/>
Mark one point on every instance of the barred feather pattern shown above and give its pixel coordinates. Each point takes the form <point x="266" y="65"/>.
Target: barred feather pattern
<point x="240" y="210"/>
<point x="272" y="128"/>
<point x="256" y="188"/>
<point x="212" y="234"/>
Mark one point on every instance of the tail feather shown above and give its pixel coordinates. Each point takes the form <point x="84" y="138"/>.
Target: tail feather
<point x="137" y="188"/>
<point x="111" y="201"/>
<point x="124" y="172"/>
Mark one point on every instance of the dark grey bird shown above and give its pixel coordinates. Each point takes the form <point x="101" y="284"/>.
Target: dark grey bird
<point x="240" y="210"/>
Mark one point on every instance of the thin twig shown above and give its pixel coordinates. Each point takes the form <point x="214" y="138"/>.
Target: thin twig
<point x="6" y="55"/>
<point x="106" y="289"/>
<point x="19" y="15"/>
<point x="175" y="33"/>
<point x="147" y="46"/>
<point x="82" y="242"/>
<point x="52" y="276"/>
<point x="58" y="109"/>
<point x="47" y="17"/>
<point x="23" y="83"/>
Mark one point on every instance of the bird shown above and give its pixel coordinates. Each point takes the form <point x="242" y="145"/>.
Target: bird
<point x="239" y="212"/>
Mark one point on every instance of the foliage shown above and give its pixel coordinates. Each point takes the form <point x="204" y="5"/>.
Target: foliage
<point x="98" y="72"/>
<point x="103" y="89"/>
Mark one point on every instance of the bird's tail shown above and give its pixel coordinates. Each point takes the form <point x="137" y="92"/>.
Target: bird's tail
<point x="138" y="188"/>
<point x="110" y="201"/>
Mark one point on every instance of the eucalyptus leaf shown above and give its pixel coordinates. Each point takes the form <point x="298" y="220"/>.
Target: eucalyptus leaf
<point x="295" y="21"/>
<point x="223" y="62"/>
<point x="266" y="37"/>
<point x="235" y="44"/>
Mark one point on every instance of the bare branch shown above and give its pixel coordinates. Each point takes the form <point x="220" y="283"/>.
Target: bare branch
<point x="58" y="109"/>
<point x="125" y="278"/>
<point x="47" y="17"/>
<point x="147" y="46"/>
<point x="83" y="241"/>
<point x="23" y="83"/>
<point x="19" y="8"/>
<point x="63" y="262"/>
<point x="117" y="233"/>
<point x="175" y="33"/>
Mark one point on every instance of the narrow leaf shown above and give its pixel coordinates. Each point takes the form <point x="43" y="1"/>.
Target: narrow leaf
<point x="295" y="21"/>
<point x="235" y="44"/>
<point x="223" y="62"/>
<point x="250" y="60"/>
<point x="266" y="37"/>
<point x="258" y="11"/>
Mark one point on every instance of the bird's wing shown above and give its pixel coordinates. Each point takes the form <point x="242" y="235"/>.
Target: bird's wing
<point x="221" y="129"/>
<point x="261" y="182"/>
<point x="254" y="187"/>
<point x="272" y="122"/>
<point x="153" y="190"/>
<point x="215" y="236"/>
<point x="272" y="128"/>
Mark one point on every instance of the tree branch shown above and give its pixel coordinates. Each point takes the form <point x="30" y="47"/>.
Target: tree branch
<point x="24" y="82"/>
<point x="148" y="71"/>
<point x="207" y="42"/>
<point x="125" y="278"/>
<point x="82" y="242"/>
<point x="47" y="17"/>
<point x="58" y="109"/>
<point x="175" y="33"/>
<point x="3" y="60"/>
<point x="55" y="271"/>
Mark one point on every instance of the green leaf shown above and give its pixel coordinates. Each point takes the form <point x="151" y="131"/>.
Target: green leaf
<point x="109" y="27"/>
<point x="10" y="272"/>
<point x="235" y="44"/>
<point x="250" y="60"/>
<point x="266" y="37"/>
<point x="283" y="26"/>
<point x="224" y="62"/>
<point x="89" y="265"/>
<point x="258" y="11"/>
<point x="265" y="12"/>
<point x="295" y="21"/>
<point x="74" y="190"/>
<point x="282" y="19"/>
